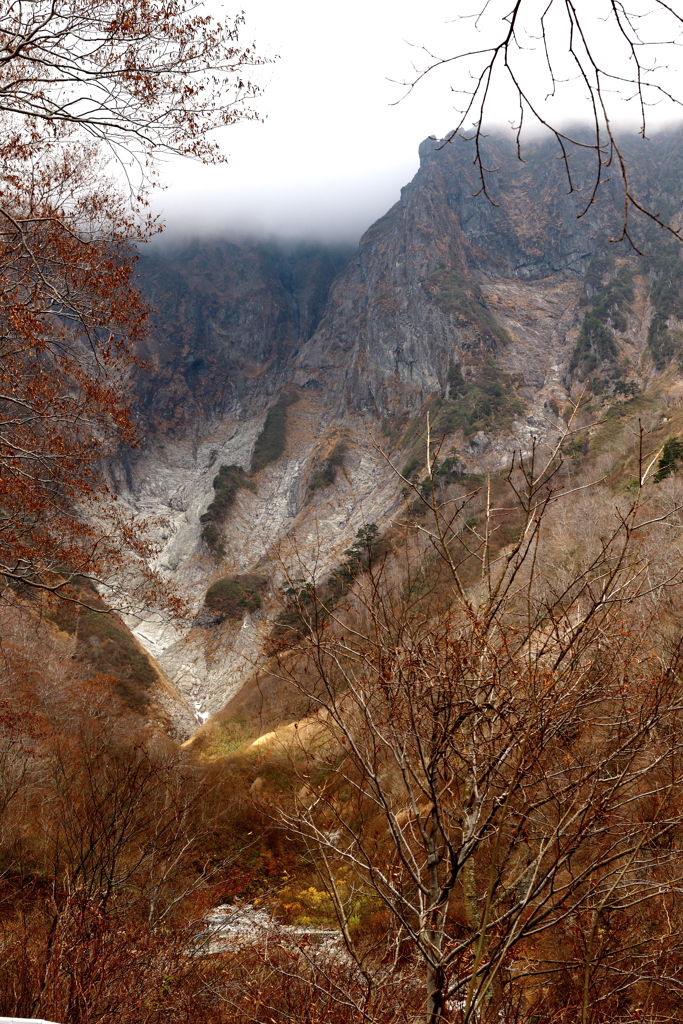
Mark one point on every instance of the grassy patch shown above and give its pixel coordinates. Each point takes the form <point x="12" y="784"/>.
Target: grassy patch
<point x="393" y="428"/>
<point x="104" y="643"/>
<point x="111" y="649"/>
<point x="327" y="474"/>
<point x="226" y="483"/>
<point x="270" y="444"/>
<point x="231" y="596"/>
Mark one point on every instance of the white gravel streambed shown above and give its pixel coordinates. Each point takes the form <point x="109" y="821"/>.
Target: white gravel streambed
<point x="230" y="927"/>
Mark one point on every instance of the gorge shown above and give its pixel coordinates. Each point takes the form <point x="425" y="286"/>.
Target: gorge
<point x="472" y="308"/>
<point x="377" y="719"/>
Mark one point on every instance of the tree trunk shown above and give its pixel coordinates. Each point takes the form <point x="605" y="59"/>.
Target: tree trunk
<point x="436" y="1010"/>
<point x="436" y="980"/>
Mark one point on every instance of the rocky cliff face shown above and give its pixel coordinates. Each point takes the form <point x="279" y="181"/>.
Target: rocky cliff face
<point x="227" y="320"/>
<point x="447" y="276"/>
<point x="414" y="298"/>
<point x="487" y="314"/>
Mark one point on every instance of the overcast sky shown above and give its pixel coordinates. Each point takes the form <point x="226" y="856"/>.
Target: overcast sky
<point x="339" y="140"/>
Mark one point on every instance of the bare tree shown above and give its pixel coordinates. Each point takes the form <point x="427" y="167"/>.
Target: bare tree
<point x="497" y="759"/>
<point x="113" y="845"/>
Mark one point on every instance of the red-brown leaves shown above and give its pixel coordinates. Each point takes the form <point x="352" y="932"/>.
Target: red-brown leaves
<point x="136" y="78"/>
<point x="70" y="321"/>
<point x="142" y="76"/>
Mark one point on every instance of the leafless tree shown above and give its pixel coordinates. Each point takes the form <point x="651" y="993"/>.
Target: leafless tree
<point x="113" y="845"/>
<point x="497" y="759"/>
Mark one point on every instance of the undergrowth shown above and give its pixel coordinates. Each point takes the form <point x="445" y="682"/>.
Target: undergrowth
<point x="270" y="444"/>
<point x="113" y="651"/>
<point x="231" y="596"/>
<point x="226" y="483"/>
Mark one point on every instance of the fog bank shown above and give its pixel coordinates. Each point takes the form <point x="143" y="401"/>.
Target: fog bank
<point x="336" y="210"/>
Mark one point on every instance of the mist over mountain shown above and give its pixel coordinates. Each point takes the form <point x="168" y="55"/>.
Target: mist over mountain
<point x="228" y="318"/>
<point x="337" y="210"/>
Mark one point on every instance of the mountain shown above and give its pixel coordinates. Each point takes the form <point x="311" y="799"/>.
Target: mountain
<point x="302" y="369"/>
<point x="228" y="319"/>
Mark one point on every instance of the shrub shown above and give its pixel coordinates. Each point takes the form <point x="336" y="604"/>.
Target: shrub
<point x="270" y="444"/>
<point x="231" y="596"/>
<point x="671" y="456"/>
<point x="627" y="389"/>
<point x="359" y="557"/>
<point x="411" y="466"/>
<point x="447" y="471"/>
<point x="484" y="402"/>
<point x="306" y="605"/>
<point x="326" y="476"/>
<point x="226" y="483"/>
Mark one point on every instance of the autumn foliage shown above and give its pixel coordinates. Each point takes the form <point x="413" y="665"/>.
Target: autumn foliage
<point x="113" y="845"/>
<point x="69" y="322"/>
<point x="90" y="93"/>
<point x="491" y="755"/>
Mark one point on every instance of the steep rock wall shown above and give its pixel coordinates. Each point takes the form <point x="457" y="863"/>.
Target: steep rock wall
<point x="414" y="296"/>
<point x="227" y="319"/>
